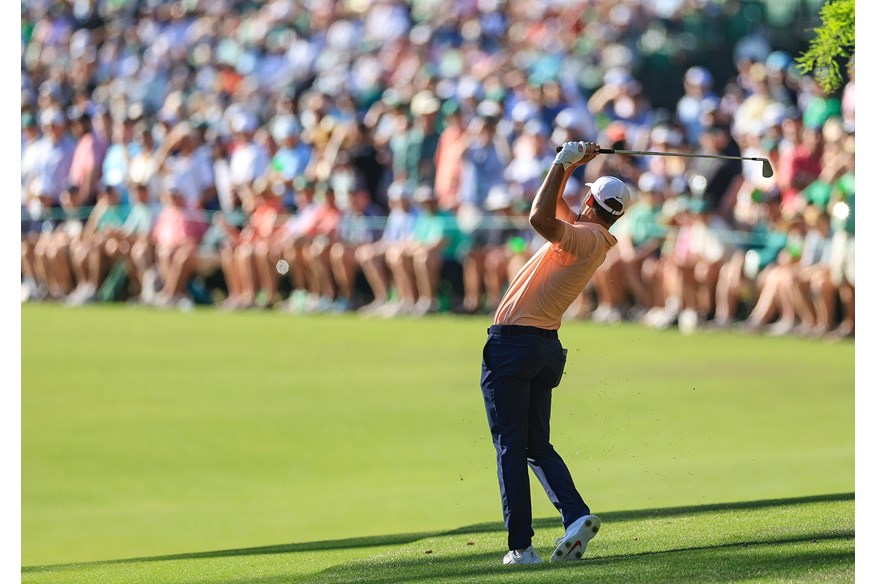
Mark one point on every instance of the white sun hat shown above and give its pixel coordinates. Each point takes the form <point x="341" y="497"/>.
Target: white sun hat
<point x="610" y="193"/>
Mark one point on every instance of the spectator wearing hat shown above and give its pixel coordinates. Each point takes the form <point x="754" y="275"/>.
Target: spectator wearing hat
<point x="666" y="138"/>
<point x="121" y="149"/>
<point x="417" y="162"/>
<point x="531" y="152"/>
<point x="397" y="232"/>
<point x="698" y="96"/>
<point x="177" y="158"/>
<point x="485" y="157"/>
<point x="49" y="164"/>
<point x="249" y="159"/>
<point x="620" y="99"/>
<point x="44" y="186"/>
<point x="293" y="155"/>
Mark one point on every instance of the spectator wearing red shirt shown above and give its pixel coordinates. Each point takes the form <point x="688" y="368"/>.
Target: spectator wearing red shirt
<point x="799" y="165"/>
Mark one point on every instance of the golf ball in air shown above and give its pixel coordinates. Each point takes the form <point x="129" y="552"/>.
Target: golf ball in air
<point x="282" y="267"/>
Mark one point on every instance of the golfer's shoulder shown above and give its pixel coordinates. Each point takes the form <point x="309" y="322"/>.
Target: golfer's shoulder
<point x="590" y="232"/>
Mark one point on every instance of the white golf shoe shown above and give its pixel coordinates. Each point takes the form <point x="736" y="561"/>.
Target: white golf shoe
<point x="572" y="545"/>
<point x="527" y="556"/>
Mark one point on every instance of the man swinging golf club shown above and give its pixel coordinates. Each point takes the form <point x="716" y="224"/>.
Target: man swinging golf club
<point x="523" y="359"/>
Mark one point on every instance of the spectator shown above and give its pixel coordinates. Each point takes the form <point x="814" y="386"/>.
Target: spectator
<point x="416" y="267"/>
<point x="358" y="226"/>
<point x="448" y="157"/>
<point x="698" y="96"/>
<point x="179" y="161"/>
<point x="315" y="254"/>
<point x="250" y="267"/>
<point x="485" y="157"/>
<point x="640" y="237"/>
<point x="86" y="168"/>
<point x="175" y="238"/>
<point x="493" y="230"/>
<point x="90" y="252"/>
<point x="397" y="231"/>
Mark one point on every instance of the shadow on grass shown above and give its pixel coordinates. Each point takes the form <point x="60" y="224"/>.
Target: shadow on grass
<point x="619" y="516"/>
<point x="401" y="539"/>
<point x="767" y="560"/>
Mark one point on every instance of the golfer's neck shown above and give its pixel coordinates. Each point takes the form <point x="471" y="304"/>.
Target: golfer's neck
<point x="586" y="217"/>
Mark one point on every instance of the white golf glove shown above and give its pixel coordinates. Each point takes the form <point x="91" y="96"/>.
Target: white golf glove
<point x="570" y="153"/>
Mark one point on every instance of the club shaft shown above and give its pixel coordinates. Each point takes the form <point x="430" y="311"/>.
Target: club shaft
<point x="685" y="155"/>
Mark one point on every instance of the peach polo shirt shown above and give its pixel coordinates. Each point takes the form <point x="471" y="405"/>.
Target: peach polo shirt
<point x="546" y="285"/>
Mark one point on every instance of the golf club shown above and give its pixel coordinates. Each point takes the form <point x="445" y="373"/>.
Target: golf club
<point x="767" y="167"/>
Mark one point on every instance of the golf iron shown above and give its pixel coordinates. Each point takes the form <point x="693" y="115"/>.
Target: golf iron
<point x="767" y="167"/>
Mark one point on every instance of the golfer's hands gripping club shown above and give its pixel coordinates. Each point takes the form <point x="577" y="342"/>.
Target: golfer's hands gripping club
<point x="574" y="154"/>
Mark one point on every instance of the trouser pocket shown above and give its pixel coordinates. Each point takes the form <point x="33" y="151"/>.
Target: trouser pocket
<point x="561" y="366"/>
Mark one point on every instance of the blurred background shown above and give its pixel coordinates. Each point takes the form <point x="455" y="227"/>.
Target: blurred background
<point x="381" y="156"/>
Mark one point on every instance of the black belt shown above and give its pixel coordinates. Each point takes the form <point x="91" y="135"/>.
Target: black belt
<point x="513" y="329"/>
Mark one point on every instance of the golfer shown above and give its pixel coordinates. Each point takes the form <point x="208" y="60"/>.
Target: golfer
<point x="523" y="359"/>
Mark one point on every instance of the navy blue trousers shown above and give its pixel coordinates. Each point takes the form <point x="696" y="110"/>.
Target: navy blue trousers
<point x="521" y="366"/>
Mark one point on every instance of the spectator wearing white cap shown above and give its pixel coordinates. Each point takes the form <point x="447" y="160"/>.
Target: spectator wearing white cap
<point x="249" y="159"/>
<point x="531" y="153"/>
<point x="621" y="99"/>
<point x="177" y="160"/>
<point x="52" y="157"/>
<point x="421" y="141"/>
<point x="485" y="157"/>
<point x="698" y="94"/>
<point x="292" y="155"/>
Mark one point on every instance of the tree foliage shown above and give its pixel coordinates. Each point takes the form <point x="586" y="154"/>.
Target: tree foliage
<point x="834" y="40"/>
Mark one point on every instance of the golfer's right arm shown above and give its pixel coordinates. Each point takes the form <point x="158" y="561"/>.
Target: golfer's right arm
<point x="548" y="210"/>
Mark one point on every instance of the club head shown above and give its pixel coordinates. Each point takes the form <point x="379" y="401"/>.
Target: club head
<point x="767" y="168"/>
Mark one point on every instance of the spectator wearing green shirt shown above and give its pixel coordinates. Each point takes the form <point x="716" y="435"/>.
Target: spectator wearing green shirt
<point x="91" y="251"/>
<point x="842" y="252"/>
<point x="416" y="267"/>
<point x="640" y="236"/>
<point x="133" y="242"/>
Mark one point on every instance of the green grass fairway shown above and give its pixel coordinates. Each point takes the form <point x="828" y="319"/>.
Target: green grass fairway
<point x="151" y="433"/>
<point x="792" y="540"/>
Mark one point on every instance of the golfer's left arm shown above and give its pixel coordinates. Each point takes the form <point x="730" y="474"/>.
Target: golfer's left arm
<point x="548" y="211"/>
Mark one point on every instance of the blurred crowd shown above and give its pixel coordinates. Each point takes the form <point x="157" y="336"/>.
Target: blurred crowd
<point x="381" y="156"/>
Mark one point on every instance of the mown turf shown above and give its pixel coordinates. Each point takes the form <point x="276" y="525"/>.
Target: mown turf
<point x="148" y="433"/>
<point x="792" y="540"/>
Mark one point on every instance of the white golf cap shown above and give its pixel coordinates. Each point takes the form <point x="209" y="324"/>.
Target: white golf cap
<point x="610" y="193"/>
